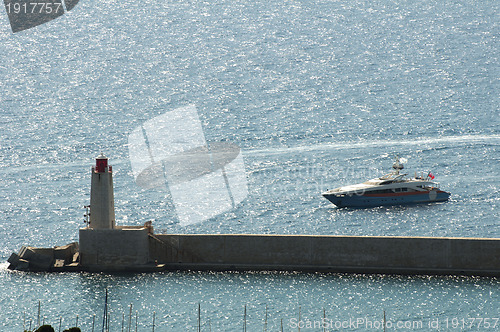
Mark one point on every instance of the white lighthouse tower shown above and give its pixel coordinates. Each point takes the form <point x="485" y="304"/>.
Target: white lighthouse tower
<point x="102" y="206"/>
<point x="105" y="246"/>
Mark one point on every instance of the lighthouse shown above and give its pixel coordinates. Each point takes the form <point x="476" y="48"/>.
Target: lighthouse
<point x="104" y="246"/>
<point x="102" y="206"/>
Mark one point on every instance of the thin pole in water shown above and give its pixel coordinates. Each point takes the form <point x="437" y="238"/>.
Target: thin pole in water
<point x="130" y="318"/>
<point x="76" y="324"/>
<point x="136" y="313"/>
<point x="123" y="320"/>
<point x="199" y="317"/>
<point x="245" y="320"/>
<point x="154" y="316"/>
<point x="384" y="321"/>
<point x="60" y="324"/>
<point x="38" y="319"/>
<point x="93" y="322"/>
<point x="324" y="320"/>
<point x="105" y="315"/>
<point x="265" y="322"/>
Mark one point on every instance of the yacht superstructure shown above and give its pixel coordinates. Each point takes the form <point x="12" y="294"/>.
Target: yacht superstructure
<point x="391" y="189"/>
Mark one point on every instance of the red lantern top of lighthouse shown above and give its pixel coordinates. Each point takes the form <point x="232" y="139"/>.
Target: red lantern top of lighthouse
<point x="101" y="162"/>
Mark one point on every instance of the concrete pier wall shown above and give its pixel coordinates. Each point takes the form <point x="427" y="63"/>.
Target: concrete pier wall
<point x="398" y="255"/>
<point x="119" y="249"/>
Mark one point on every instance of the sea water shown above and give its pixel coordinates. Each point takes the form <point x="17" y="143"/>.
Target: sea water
<point x="317" y="94"/>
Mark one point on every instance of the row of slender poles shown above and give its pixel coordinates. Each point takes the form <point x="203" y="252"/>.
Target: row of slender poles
<point x="106" y="319"/>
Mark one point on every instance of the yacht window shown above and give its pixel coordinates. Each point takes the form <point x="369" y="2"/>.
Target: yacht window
<point x="380" y="191"/>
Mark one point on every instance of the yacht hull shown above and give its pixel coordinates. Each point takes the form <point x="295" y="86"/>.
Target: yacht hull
<point x="372" y="200"/>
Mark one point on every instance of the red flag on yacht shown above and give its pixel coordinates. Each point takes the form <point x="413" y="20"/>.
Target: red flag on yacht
<point x="431" y="176"/>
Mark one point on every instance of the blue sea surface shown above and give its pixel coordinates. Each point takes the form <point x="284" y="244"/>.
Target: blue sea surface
<point x="317" y="94"/>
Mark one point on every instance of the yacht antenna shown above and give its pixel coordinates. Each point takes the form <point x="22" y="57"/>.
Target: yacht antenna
<point x="397" y="166"/>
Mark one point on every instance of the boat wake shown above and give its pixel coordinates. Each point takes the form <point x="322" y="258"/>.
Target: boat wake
<point x="426" y="142"/>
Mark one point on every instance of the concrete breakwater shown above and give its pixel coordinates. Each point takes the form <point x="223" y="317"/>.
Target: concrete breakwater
<point x="316" y="253"/>
<point x="139" y="249"/>
<point x="105" y="246"/>
<point x="56" y="259"/>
